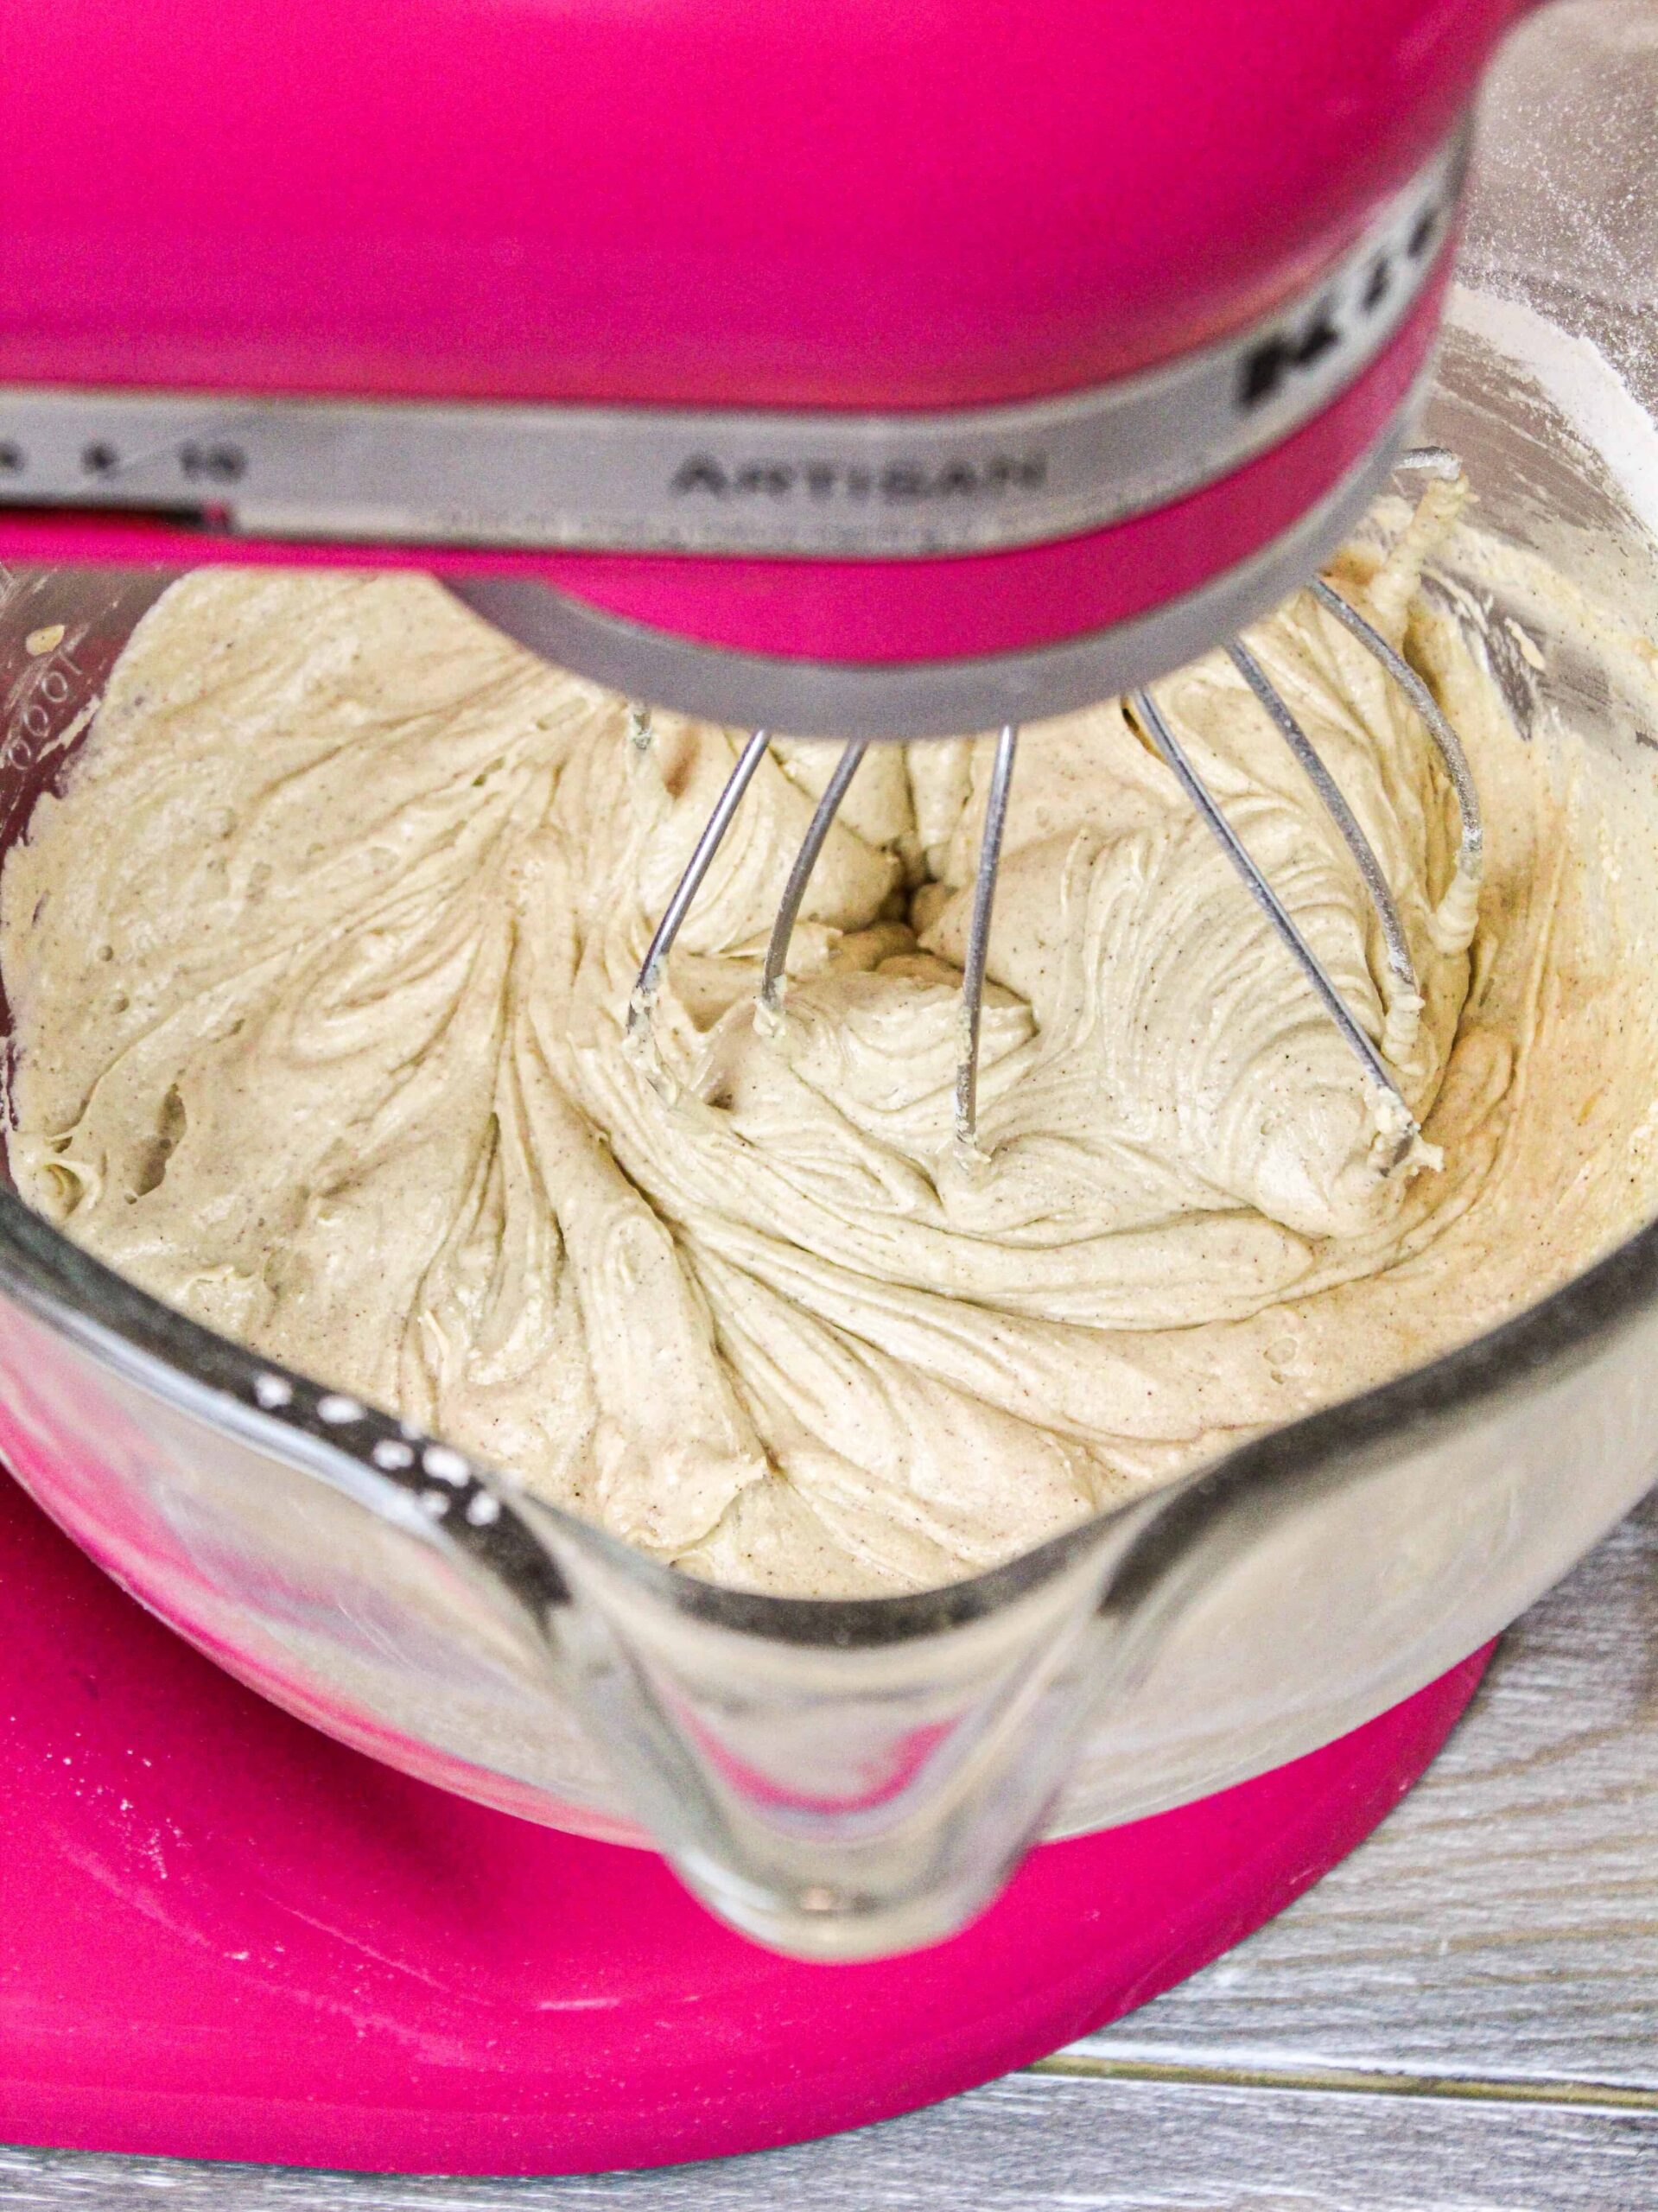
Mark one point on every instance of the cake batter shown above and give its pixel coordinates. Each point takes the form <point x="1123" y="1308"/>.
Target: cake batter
<point x="319" y="968"/>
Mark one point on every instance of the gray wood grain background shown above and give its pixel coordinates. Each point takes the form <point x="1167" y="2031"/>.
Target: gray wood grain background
<point x="1463" y="2018"/>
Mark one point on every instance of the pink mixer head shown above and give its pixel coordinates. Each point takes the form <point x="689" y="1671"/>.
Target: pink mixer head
<point x="843" y="367"/>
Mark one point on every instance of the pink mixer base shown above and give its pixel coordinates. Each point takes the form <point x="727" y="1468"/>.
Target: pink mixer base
<point x="226" y="1936"/>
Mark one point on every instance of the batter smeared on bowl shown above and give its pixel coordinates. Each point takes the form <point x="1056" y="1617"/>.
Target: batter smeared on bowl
<point x="320" y="968"/>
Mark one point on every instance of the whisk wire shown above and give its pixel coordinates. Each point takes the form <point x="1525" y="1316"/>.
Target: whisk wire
<point x="776" y="951"/>
<point x="713" y="830"/>
<point x="1431" y="460"/>
<point x="1202" y="799"/>
<point x="978" y="941"/>
<point x="1335" y="801"/>
<point x="1471" y="851"/>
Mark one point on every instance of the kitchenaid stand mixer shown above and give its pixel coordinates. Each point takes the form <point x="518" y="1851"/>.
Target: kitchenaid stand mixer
<point x="967" y="461"/>
<point x="878" y="379"/>
<point x="1221" y="401"/>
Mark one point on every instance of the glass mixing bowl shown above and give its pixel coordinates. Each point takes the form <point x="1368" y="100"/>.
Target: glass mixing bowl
<point x="845" y="1778"/>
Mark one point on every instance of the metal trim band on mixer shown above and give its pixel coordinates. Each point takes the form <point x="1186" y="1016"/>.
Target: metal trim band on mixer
<point x="911" y="699"/>
<point x="736" y="480"/>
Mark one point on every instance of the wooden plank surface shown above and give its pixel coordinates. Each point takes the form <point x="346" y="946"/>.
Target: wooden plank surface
<point x="1030" y="2141"/>
<point x="1504" y="1922"/>
<point x="1463" y="2018"/>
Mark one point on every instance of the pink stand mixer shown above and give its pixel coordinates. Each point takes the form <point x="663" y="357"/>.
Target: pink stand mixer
<point x="828" y="370"/>
<point x="852" y="371"/>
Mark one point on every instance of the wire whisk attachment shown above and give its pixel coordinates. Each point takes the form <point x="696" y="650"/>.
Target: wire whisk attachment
<point x="1453" y="922"/>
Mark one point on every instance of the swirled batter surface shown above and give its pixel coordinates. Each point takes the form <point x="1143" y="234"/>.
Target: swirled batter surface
<point x="320" y="966"/>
